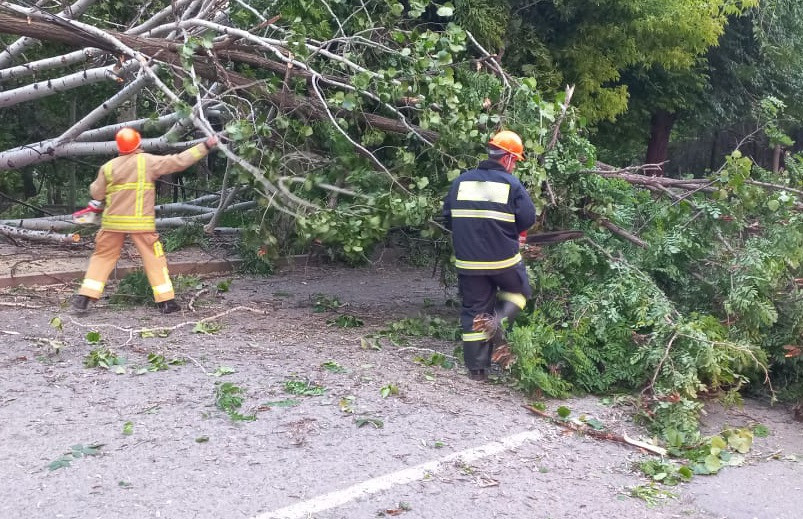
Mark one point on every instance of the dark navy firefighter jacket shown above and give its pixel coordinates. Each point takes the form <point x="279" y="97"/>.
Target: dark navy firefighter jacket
<point x="486" y="209"/>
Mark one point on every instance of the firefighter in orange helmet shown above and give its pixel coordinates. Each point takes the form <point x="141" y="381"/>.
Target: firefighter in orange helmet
<point x="126" y="184"/>
<point x="487" y="208"/>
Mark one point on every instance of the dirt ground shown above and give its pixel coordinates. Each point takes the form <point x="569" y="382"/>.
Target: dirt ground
<point x="387" y="436"/>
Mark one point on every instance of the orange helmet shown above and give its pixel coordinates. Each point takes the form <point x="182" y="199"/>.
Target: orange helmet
<point x="128" y="140"/>
<point x="510" y="142"/>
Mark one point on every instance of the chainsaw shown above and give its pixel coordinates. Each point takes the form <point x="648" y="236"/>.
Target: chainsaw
<point x="90" y="215"/>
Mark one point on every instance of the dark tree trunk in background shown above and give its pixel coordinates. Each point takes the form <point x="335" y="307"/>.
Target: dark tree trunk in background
<point x="28" y="185"/>
<point x="660" y="128"/>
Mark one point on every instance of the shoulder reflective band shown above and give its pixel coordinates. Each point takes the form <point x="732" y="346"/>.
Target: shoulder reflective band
<point x="487" y="265"/>
<point x="480" y="213"/>
<point x="477" y="191"/>
<point x="107" y="172"/>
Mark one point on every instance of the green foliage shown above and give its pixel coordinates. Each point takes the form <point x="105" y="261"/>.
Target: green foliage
<point x="76" y="452"/>
<point x="303" y="388"/>
<point x="652" y="494"/>
<point x="102" y="358"/>
<point x="133" y="289"/>
<point x="325" y="303"/>
<point x="435" y="359"/>
<point x="707" y="307"/>
<point x="229" y="399"/>
<point x="345" y="321"/>
<point x="665" y="472"/>
<point x="207" y="327"/>
<point x="157" y="362"/>
<point x="389" y="390"/>
<point x="184" y="236"/>
<point x="397" y="332"/>
<point x="333" y="366"/>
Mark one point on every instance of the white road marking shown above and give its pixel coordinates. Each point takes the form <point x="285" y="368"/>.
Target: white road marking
<point x="402" y="477"/>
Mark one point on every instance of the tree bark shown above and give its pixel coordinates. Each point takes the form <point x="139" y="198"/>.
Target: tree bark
<point x="28" y="185"/>
<point x="44" y="236"/>
<point x="657" y="148"/>
<point x="777" y="152"/>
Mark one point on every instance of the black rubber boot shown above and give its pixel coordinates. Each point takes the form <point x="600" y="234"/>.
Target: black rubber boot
<point x="80" y="304"/>
<point x="168" y="307"/>
<point x="477" y="355"/>
<point x="480" y="375"/>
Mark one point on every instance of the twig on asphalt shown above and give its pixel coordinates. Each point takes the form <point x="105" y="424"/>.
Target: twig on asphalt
<point x="601" y="435"/>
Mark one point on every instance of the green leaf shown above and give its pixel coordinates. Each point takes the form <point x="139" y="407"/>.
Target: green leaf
<point x="288" y="402"/>
<point x="712" y="463"/>
<point x="595" y="424"/>
<point x="445" y="11"/>
<point x="376" y="422"/>
<point x="60" y="463"/>
<point x="741" y="442"/>
<point x="333" y="366"/>
<point x="685" y="473"/>
<point x="717" y="442"/>
<point x="223" y="370"/>
<point x="564" y="412"/>
<point x="389" y="390"/>
<point x="93" y="337"/>
<point x="761" y="431"/>
<point x="675" y="438"/>
<point x="128" y="428"/>
<point x="57" y="323"/>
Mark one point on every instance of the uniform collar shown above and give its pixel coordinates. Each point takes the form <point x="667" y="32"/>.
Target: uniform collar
<point x="491" y="164"/>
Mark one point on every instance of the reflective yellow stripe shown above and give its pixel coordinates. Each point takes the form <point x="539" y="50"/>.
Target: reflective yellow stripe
<point x="107" y="173"/>
<point x="489" y="265"/>
<point x="129" y="218"/>
<point x="128" y="223"/>
<point x="475" y="336"/>
<point x="196" y="152"/>
<point x="158" y="250"/>
<point x="141" y="181"/>
<point x="517" y="299"/>
<point x="130" y="186"/>
<point x="92" y="284"/>
<point x="480" y="213"/>
<point x="164" y="288"/>
<point x="478" y="191"/>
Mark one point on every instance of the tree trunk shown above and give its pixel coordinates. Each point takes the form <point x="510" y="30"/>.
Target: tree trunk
<point x="657" y="148"/>
<point x="776" y="158"/>
<point x="42" y="236"/>
<point x="28" y="185"/>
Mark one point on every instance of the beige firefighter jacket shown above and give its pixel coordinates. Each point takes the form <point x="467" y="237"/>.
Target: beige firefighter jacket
<point x="126" y="184"/>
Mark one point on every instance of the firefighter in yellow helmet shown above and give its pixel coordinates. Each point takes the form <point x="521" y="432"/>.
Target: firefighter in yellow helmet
<point x="486" y="209"/>
<point x="126" y="184"/>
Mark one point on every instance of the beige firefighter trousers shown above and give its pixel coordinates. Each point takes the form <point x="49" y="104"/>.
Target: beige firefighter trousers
<point x="108" y="245"/>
